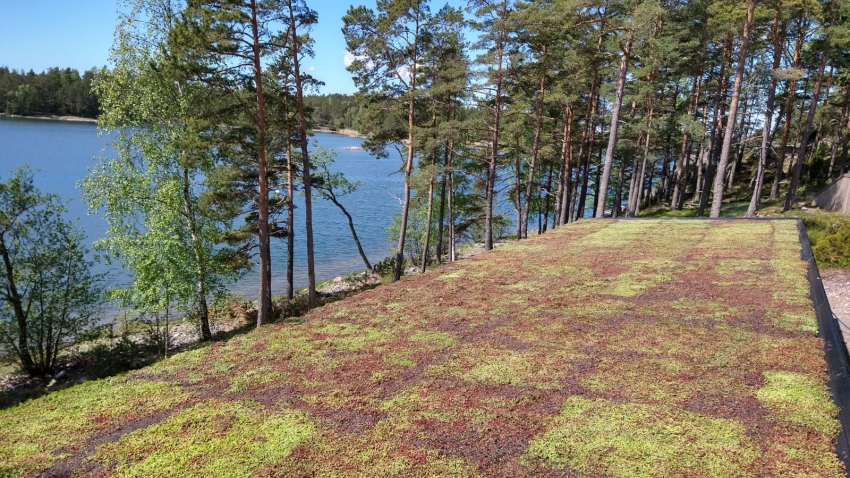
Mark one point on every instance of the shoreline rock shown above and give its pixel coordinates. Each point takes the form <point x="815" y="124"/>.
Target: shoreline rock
<point x="76" y="119"/>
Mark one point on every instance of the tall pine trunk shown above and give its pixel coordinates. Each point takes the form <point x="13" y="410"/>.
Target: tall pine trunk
<point x="548" y="196"/>
<point x="716" y="128"/>
<point x="290" y="224"/>
<point x="450" y="201"/>
<point x="535" y="148"/>
<point x="408" y="165"/>
<point x="701" y="152"/>
<point x="442" y="217"/>
<point x="490" y="192"/>
<point x="602" y="186"/>
<point x="804" y="139"/>
<point x="308" y="186"/>
<point x="680" y="175"/>
<point x="264" y="299"/>
<point x="563" y="203"/>
<point x="570" y="200"/>
<point x="428" y="224"/>
<point x="789" y="108"/>
<point x="618" y="193"/>
<point x="768" y="114"/>
<point x="518" y="188"/>
<point x="733" y="112"/>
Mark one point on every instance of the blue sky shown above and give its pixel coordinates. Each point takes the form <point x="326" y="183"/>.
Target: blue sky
<point x="38" y="34"/>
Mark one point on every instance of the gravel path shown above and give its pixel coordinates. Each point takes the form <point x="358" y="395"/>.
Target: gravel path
<point x="836" y="282"/>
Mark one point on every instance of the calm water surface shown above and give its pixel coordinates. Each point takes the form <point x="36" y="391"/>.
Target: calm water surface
<point x="63" y="151"/>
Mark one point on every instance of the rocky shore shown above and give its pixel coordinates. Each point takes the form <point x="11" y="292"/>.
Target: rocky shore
<point x="78" y="119"/>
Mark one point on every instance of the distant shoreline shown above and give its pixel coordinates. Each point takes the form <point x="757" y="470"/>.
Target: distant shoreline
<point x="343" y="131"/>
<point x="78" y="119"/>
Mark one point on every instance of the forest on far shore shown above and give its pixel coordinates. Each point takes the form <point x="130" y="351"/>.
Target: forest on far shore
<point x="56" y="91"/>
<point x="65" y="91"/>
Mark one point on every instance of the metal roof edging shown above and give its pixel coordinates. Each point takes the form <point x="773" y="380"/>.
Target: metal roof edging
<point x="835" y="349"/>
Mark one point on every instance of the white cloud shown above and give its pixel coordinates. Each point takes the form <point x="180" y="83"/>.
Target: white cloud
<point x="348" y="58"/>
<point x="312" y="68"/>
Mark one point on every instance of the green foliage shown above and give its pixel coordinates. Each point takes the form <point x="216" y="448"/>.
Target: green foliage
<point x="386" y="265"/>
<point x="48" y="294"/>
<point x="833" y="247"/>
<point x="417" y="222"/>
<point x="55" y="91"/>
<point x="150" y="194"/>
<point x="335" y="111"/>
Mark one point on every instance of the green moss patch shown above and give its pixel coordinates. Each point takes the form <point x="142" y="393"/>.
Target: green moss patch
<point x="796" y="321"/>
<point x="38" y="433"/>
<point x="633" y="440"/>
<point x="213" y="438"/>
<point x="799" y="399"/>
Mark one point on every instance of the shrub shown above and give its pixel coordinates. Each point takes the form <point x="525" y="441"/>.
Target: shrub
<point x="48" y="296"/>
<point x="833" y="248"/>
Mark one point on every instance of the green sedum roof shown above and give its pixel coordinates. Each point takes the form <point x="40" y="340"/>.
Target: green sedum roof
<point x="618" y="348"/>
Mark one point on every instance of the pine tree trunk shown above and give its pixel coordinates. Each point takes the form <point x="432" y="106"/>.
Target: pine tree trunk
<point x="305" y="157"/>
<point x="685" y="175"/>
<point x="733" y="111"/>
<point x="583" y="168"/>
<point x="442" y="213"/>
<point x="564" y="187"/>
<point x="596" y="187"/>
<point x="743" y="132"/>
<point x="428" y="224"/>
<point x="450" y="201"/>
<point x="264" y="298"/>
<point x="490" y="192"/>
<point x="639" y="189"/>
<point x="408" y="165"/>
<point x="548" y="197"/>
<point x="518" y="189"/>
<point x="786" y="131"/>
<point x="599" y="210"/>
<point x="768" y="114"/>
<point x="290" y="224"/>
<point x="634" y="200"/>
<point x="534" y="149"/>
<point x="701" y="162"/>
<point x="585" y="184"/>
<point x="716" y="128"/>
<point x="618" y="194"/>
<point x="836" y="141"/>
<point x="804" y="140"/>
<point x="445" y="202"/>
